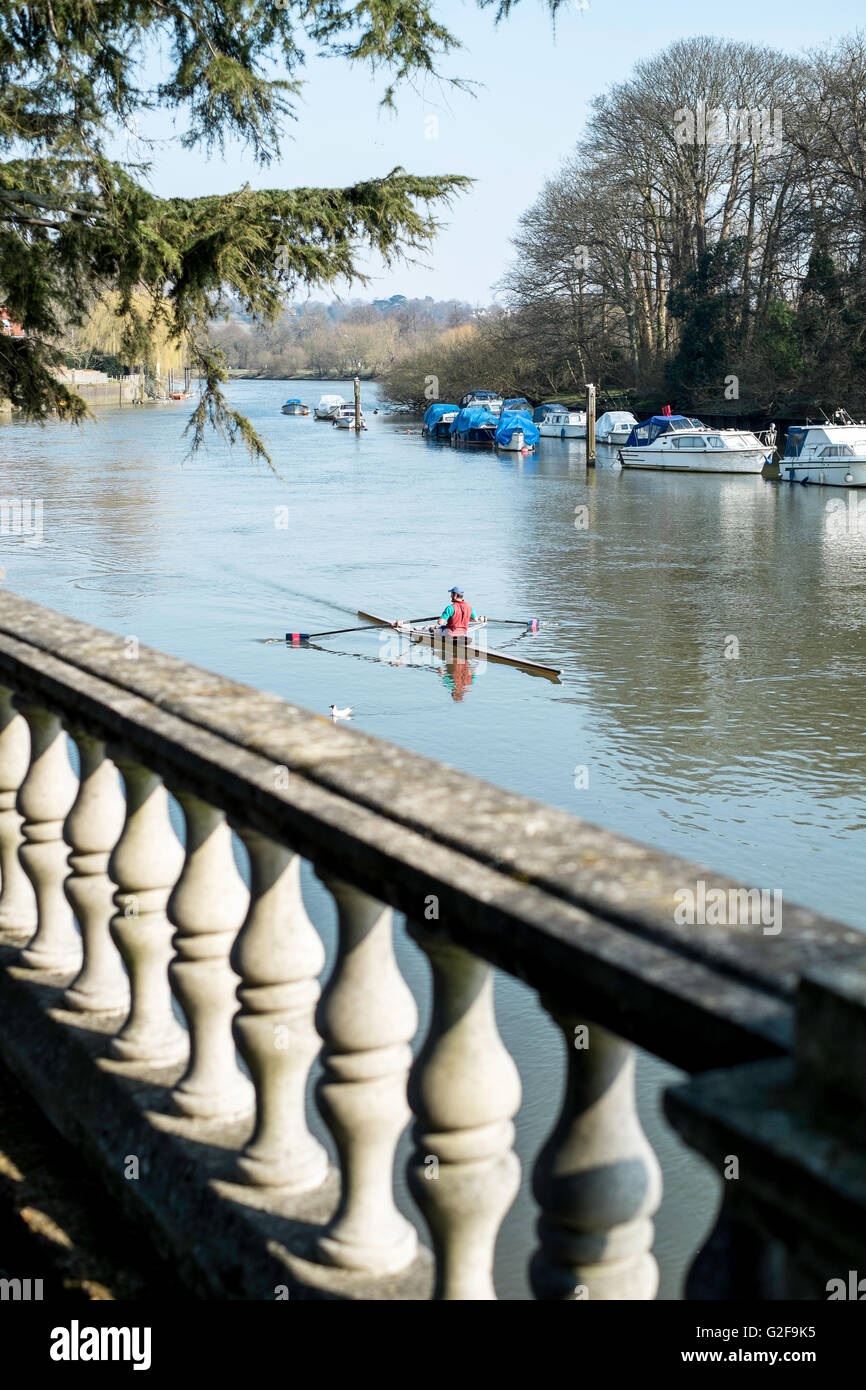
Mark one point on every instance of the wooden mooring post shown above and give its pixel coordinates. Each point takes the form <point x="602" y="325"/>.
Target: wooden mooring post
<point x="357" y="405"/>
<point x="590" y="424"/>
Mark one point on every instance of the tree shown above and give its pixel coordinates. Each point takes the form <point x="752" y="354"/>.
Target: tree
<point x="77" y="225"/>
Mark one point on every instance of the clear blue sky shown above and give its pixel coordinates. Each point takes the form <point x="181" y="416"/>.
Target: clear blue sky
<point x="511" y="136"/>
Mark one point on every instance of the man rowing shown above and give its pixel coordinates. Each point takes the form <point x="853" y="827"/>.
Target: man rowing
<point x="458" y="614"/>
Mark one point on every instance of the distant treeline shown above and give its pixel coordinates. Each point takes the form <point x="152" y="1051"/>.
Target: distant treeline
<point x="704" y="245"/>
<point x="339" y="339"/>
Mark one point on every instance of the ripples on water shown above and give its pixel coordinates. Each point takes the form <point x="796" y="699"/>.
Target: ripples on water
<point x="754" y="765"/>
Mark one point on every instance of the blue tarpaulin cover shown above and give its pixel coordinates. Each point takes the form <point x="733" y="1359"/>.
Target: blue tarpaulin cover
<point x="473" y="418"/>
<point x="517" y="403"/>
<point x="648" y="430"/>
<point x="433" y="414"/>
<point x="514" y="420"/>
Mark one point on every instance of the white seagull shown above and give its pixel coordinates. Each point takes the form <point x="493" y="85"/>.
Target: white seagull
<point x="341" y="713"/>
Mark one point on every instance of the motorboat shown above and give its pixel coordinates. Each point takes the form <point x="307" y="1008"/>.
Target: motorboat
<point x="438" y="419"/>
<point x="489" y="399"/>
<point x="294" y="406"/>
<point x="345" y="418"/>
<point x="516" y="432"/>
<point x="832" y="454"/>
<point x="614" y="427"/>
<point x="682" y="444"/>
<point x="556" y="421"/>
<point x="517" y="403"/>
<point x="328" y="407"/>
<point x="474" y="425"/>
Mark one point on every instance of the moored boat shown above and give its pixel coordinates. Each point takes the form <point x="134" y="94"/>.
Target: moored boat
<point x="345" y="418"/>
<point x="614" y="427"/>
<point x="474" y="426"/>
<point x="516" y="432"/>
<point x="682" y="444"/>
<point x="328" y="407"/>
<point x="438" y="419"/>
<point x="832" y="454"/>
<point x="294" y="406"/>
<point x="491" y="400"/>
<point x="556" y="421"/>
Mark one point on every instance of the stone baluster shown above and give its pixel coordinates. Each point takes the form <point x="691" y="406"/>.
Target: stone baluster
<point x="17" y="902"/>
<point x="278" y="956"/>
<point x="367" y="1017"/>
<point x="597" y="1179"/>
<point x="44" y="799"/>
<point x="92" y="829"/>
<point x="208" y="905"/>
<point x="464" y="1090"/>
<point x="144" y="864"/>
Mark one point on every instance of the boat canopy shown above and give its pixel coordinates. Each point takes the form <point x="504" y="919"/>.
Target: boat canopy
<point x="649" y="430"/>
<point x="541" y="412"/>
<point x="513" y="420"/>
<point x="615" y="417"/>
<point x="293" y="400"/>
<point x="433" y="414"/>
<point x="479" y="396"/>
<point x="517" y="403"/>
<point x="795" y="441"/>
<point x="475" y="417"/>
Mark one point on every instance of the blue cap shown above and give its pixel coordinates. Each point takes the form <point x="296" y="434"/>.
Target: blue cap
<point x="456" y="589"/>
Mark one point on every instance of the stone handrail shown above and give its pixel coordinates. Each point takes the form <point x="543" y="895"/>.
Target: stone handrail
<point x="110" y="927"/>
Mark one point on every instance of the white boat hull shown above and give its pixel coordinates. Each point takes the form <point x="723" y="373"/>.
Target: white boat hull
<point x="517" y="444"/>
<point x="695" y="461"/>
<point x="613" y="437"/>
<point x="562" y="431"/>
<point x="833" y="473"/>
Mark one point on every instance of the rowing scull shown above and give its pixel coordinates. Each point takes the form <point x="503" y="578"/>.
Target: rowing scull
<point x="455" y="647"/>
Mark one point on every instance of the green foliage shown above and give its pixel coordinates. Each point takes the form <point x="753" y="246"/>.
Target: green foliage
<point x="76" y="225"/>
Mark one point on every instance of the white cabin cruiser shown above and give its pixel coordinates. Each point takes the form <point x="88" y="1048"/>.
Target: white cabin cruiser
<point x="556" y="421"/>
<point x="614" y="427"/>
<point x="345" y="418"/>
<point x="328" y="407"/>
<point x="682" y="444"/>
<point x="491" y="400"/>
<point x="830" y="454"/>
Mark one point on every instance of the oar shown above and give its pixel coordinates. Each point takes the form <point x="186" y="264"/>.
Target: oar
<point x="295" y="638"/>
<point x="532" y="624"/>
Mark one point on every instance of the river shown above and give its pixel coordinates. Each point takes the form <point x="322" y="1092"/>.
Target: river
<point x="748" y="754"/>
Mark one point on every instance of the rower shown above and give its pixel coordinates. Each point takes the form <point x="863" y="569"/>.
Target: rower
<point x="457" y="615"/>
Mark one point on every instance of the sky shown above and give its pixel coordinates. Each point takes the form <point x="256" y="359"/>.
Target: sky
<point x="536" y="86"/>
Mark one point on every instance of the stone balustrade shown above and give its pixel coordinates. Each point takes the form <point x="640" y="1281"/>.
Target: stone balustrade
<point x="168" y="1016"/>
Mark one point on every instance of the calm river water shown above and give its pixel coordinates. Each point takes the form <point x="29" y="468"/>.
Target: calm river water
<point x="755" y="765"/>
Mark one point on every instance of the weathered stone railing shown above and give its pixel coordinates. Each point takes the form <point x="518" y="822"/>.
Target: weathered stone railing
<point x="111" y="928"/>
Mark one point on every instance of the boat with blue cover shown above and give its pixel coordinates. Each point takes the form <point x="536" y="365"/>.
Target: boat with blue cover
<point x="438" y="419"/>
<point x="294" y="406"/>
<point x="516" y="432"/>
<point x="475" y="425"/>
